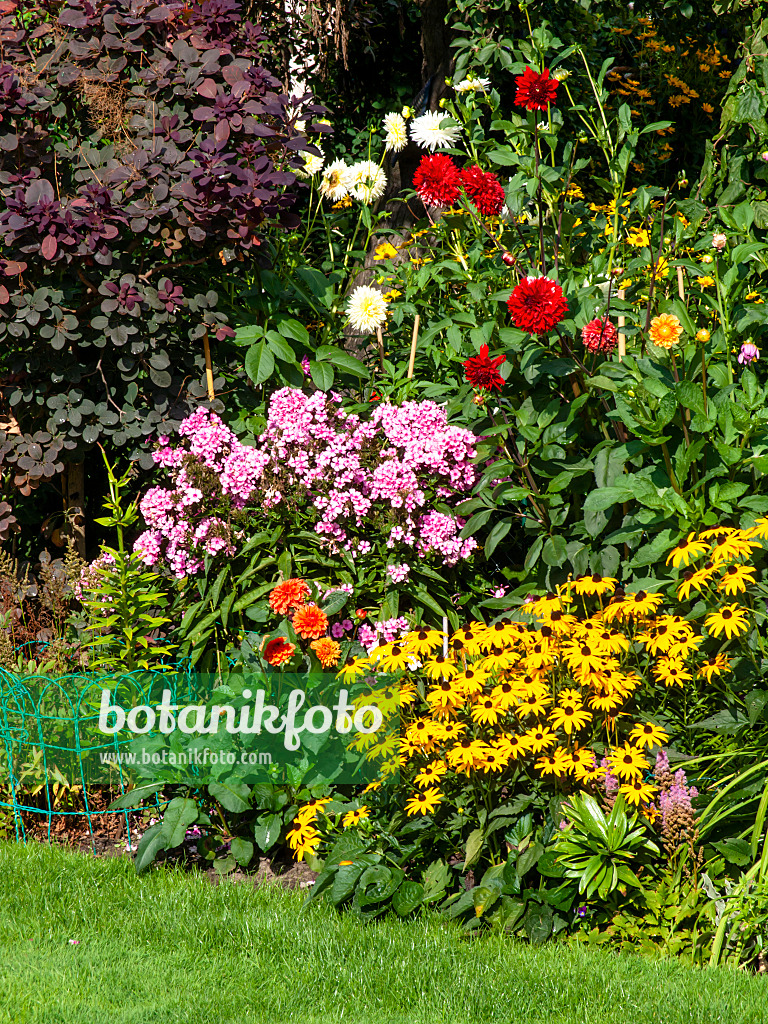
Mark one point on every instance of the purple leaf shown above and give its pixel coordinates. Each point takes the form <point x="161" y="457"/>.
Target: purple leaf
<point x="49" y="247"/>
<point x="208" y="89"/>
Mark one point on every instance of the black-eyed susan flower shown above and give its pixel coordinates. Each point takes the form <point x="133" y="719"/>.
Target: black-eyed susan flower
<point x="590" y="772"/>
<point x="539" y="738"/>
<point x="425" y="641"/>
<point x="569" y="716"/>
<point x="648" y="734"/>
<point x="497" y="659"/>
<point x="430" y="773"/>
<point x="449" y="731"/>
<point x="642" y="604"/>
<point x="556" y="764"/>
<point x="697" y="581"/>
<point x="593" y="586"/>
<point x="759" y="530"/>
<point x="569" y="693"/>
<point x="687" y="551"/>
<point x="494" y="761"/>
<point x="510" y="746"/>
<point x="309" y="812"/>
<point x="714" y="667"/>
<point x="471" y="681"/>
<point x="303" y="839"/>
<point x="422" y="732"/>
<point x="392" y="657"/>
<point x="487" y="711"/>
<point x="582" y="758"/>
<point x="606" y="702"/>
<point x="581" y="655"/>
<point x="505" y="693"/>
<point x="736" y="578"/>
<point x="355" y="817"/>
<point x="671" y="672"/>
<point x="627" y="762"/>
<point x="535" y="702"/>
<point x="467" y="753"/>
<point x="735" y="545"/>
<point x="444" y="698"/>
<point x="372" y="787"/>
<point x="731" y="620"/>
<point x="637" y="792"/>
<point x="425" y="802"/>
<point x="352" y="668"/>
<point x="440" y="667"/>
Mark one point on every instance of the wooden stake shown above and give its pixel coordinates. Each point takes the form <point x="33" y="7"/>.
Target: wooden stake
<point x="622" y="321"/>
<point x="208" y="366"/>
<point x="680" y="285"/>
<point x="414" y="339"/>
<point x="74" y="504"/>
<point x="380" y="339"/>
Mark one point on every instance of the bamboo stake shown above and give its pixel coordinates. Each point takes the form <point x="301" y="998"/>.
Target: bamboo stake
<point x="414" y="339"/>
<point x="380" y="339"/>
<point x="680" y="286"/>
<point x="622" y="321"/>
<point x="208" y="366"/>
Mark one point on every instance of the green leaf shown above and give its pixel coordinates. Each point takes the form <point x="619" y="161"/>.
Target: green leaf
<point x="280" y="347"/>
<point x="407" y="898"/>
<point x="751" y="104"/>
<point x="437" y="878"/>
<point x="496" y="536"/>
<point x="537" y="923"/>
<point x="735" y="851"/>
<point x="179" y="815"/>
<point x="322" y="375"/>
<point x="294" y="330"/>
<point x="242" y="851"/>
<point x="259" y="363"/>
<point x="134" y="797"/>
<point x="504" y="158"/>
<point x="344" y="882"/>
<point x="150" y="844"/>
<point x="342" y="359"/>
<point x="334" y="602"/>
<point x="266" y="831"/>
<point x="605" y="498"/>
<point x="554" y="551"/>
<point x="474" y="846"/>
<point x="233" y="796"/>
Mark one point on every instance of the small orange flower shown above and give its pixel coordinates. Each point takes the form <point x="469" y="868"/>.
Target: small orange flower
<point x="288" y="595"/>
<point x="361" y="613"/>
<point x="327" y="651"/>
<point x="310" y="622"/>
<point x="665" y="330"/>
<point x="278" y="650"/>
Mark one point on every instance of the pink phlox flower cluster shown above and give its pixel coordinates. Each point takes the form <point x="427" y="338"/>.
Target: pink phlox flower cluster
<point x="385" y="631"/>
<point x="439" y="532"/>
<point x="399" y="573"/>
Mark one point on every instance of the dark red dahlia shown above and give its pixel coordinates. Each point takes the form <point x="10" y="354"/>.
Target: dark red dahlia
<point x="437" y="180"/>
<point x="484" y="189"/>
<point x="537" y="304"/>
<point x="535" y="91"/>
<point x="481" y="373"/>
<point x="600" y="335"/>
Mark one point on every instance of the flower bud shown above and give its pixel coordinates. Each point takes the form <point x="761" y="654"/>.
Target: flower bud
<point x="764" y="156"/>
<point x="509" y="259"/>
<point x="478" y="399"/>
<point x="703" y="335"/>
<point x="706" y="258"/>
<point x="719" y="241"/>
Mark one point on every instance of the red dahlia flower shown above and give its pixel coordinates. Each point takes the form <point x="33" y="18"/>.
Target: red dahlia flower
<point x="537" y="304"/>
<point x="535" y="91"/>
<point x="600" y="335"/>
<point x="437" y="180"/>
<point x="481" y="373"/>
<point x="484" y="189"/>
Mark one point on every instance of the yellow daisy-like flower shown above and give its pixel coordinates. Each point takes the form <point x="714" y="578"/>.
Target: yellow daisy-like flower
<point x="665" y="330"/>
<point x="392" y="657"/>
<point x="627" y="762"/>
<point x="753" y="297"/>
<point x="569" y="716"/>
<point x="594" y="585"/>
<point x="697" y="581"/>
<point x="539" y="738"/>
<point x="511" y="746"/>
<point x="440" y="667"/>
<point x="487" y="711"/>
<point x="582" y="759"/>
<point x="535" y="702"/>
<point x="467" y="754"/>
<point x="471" y="681"/>
<point x="671" y="673"/>
<point x="494" y="761"/>
<point x="714" y="667"/>
<point x="637" y="792"/>
<point x="556" y="764"/>
<point x="734" y="545"/>
<point x="302" y="840"/>
<point x="425" y="641"/>
<point x="731" y="620"/>
<point x="444" y="698"/>
<point x="385" y="251"/>
<point x="425" y="802"/>
<point x="687" y="551"/>
<point x="372" y="787"/>
<point x="309" y="812"/>
<point x="581" y="655"/>
<point x="355" y="817"/>
<point x="648" y="734"/>
<point x="736" y="578"/>
<point x="760" y="529"/>
<point x="431" y="773"/>
<point x="706" y="281"/>
<point x="352" y="668"/>
<point x="506" y="694"/>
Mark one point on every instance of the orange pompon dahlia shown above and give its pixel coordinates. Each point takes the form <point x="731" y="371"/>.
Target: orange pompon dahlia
<point x="665" y="330"/>
<point x="327" y="651"/>
<point x="278" y="650"/>
<point x="288" y="595"/>
<point x="310" y="622"/>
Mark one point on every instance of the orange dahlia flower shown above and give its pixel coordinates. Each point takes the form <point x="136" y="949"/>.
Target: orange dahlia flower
<point x="310" y="622"/>
<point x="279" y="650"/>
<point x="327" y="651"/>
<point x="288" y="595"/>
<point x="665" y="330"/>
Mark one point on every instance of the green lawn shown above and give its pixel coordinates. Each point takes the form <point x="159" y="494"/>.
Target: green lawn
<point x="167" y="947"/>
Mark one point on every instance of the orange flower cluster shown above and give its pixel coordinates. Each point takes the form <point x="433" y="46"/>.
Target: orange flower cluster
<point x="288" y="595"/>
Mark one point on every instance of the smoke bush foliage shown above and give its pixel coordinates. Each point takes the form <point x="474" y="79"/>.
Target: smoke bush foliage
<point x="137" y="140"/>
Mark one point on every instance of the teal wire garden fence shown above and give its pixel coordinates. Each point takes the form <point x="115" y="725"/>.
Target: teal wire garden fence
<point x="47" y="728"/>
